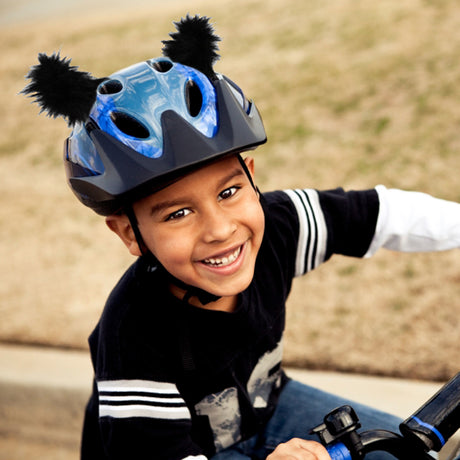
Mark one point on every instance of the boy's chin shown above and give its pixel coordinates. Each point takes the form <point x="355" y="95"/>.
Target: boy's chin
<point x="231" y="291"/>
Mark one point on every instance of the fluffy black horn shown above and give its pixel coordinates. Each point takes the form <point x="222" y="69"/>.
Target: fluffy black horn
<point x="60" y="89"/>
<point x="194" y="44"/>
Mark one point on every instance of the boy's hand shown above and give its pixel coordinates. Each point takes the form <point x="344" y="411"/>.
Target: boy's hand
<point x="299" y="449"/>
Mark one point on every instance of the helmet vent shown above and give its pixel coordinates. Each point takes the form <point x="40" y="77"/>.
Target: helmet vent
<point x="161" y="66"/>
<point x="194" y="98"/>
<point x="110" y="87"/>
<point x="129" y="125"/>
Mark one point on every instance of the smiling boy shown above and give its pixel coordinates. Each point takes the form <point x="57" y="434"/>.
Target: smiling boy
<point x="187" y="353"/>
<point x="205" y="229"/>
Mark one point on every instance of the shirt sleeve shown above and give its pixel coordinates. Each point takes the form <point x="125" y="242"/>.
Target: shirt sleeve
<point x="312" y="238"/>
<point x="141" y="412"/>
<point x="415" y="222"/>
<point x="145" y="419"/>
<point x="332" y="222"/>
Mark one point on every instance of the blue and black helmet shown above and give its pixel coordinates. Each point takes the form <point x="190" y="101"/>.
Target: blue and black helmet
<point x="141" y="128"/>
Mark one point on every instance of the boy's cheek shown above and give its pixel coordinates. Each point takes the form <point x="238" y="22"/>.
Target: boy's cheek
<point x="170" y="254"/>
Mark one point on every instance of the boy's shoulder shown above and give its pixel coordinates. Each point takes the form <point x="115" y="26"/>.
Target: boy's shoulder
<point x="275" y="198"/>
<point x="135" y="299"/>
<point x="128" y="288"/>
<point x="277" y="204"/>
<point x="132" y="279"/>
<point x="280" y="212"/>
<point x="134" y="315"/>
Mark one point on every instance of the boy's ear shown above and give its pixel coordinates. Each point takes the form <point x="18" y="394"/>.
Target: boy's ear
<point x="250" y="165"/>
<point x="119" y="224"/>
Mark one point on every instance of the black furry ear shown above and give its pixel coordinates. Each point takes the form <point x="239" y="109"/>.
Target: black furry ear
<point x="194" y="44"/>
<point x="60" y="89"/>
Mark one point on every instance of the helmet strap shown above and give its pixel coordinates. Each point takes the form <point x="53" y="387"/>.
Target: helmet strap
<point x="246" y="170"/>
<point x="129" y="211"/>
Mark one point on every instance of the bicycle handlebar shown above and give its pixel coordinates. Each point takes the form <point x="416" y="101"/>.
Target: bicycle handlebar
<point x="378" y="440"/>
<point x="437" y="420"/>
<point x="427" y="429"/>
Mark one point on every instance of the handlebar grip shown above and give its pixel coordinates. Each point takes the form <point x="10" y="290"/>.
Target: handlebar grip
<point x="437" y="420"/>
<point x="338" y="451"/>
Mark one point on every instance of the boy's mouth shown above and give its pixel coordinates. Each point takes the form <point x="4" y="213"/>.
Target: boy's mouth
<point x="223" y="261"/>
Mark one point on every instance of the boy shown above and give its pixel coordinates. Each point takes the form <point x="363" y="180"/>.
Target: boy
<point x="187" y="353"/>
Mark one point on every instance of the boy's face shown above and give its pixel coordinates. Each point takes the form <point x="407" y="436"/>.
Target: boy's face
<point x="205" y="229"/>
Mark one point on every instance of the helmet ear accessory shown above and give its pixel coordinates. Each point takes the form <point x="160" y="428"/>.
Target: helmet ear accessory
<point x="60" y="89"/>
<point x="194" y="45"/>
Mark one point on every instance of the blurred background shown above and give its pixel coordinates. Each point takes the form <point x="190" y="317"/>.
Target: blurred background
<point x="353" y="94"/>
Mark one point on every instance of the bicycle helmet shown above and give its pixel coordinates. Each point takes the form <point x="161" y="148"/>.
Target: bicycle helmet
<point x="142" y="127"/>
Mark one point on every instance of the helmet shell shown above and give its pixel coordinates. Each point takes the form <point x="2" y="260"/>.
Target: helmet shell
<point x="151" y="123"/>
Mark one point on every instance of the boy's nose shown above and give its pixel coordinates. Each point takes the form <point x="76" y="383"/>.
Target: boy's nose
<point x="218" y="225"/>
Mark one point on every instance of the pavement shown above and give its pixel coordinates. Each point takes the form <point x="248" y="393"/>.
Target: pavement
<point x="43" y="392"/>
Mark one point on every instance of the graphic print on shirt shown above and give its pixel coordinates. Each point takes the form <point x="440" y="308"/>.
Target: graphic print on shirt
<point x="224" y="416"/>
<point x="265" y="376"/>
<point x="223" y="410"/>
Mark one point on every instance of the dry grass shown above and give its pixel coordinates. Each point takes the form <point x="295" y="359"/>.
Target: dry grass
<point x="353" y="93"/>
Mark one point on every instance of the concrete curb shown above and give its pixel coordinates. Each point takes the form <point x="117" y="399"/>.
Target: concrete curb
<point x="43" y="393"/>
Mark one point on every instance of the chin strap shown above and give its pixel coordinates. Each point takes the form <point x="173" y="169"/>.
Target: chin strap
<point x="129" y="211"/>
<point x="246" y="170"/>
<point x="190" y="291"/>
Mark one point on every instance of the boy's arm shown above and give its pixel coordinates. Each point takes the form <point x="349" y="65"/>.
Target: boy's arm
<point x="332" y="222"/>
<point x="136" y="409"/>
<point x="144" y="419"/>
<point x="415" y="222"/>
<point x="358" y="223"/>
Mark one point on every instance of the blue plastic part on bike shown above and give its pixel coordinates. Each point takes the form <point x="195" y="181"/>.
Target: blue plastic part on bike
<point x="338" y="451"/>
<point x="431" y="428"/>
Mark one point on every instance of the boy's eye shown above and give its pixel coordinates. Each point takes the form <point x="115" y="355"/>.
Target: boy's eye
<point x="178" y="214"/>
<point x="228" y="192"/>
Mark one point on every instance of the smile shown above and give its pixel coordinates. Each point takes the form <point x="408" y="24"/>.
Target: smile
<point x="224" y="261"/>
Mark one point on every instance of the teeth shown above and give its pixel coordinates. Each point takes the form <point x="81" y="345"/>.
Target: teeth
<point x="224" y="260"/>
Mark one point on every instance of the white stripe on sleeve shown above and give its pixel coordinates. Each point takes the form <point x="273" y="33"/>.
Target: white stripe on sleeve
<point x="141" y="398"/>
<point x="311" y="246"/>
